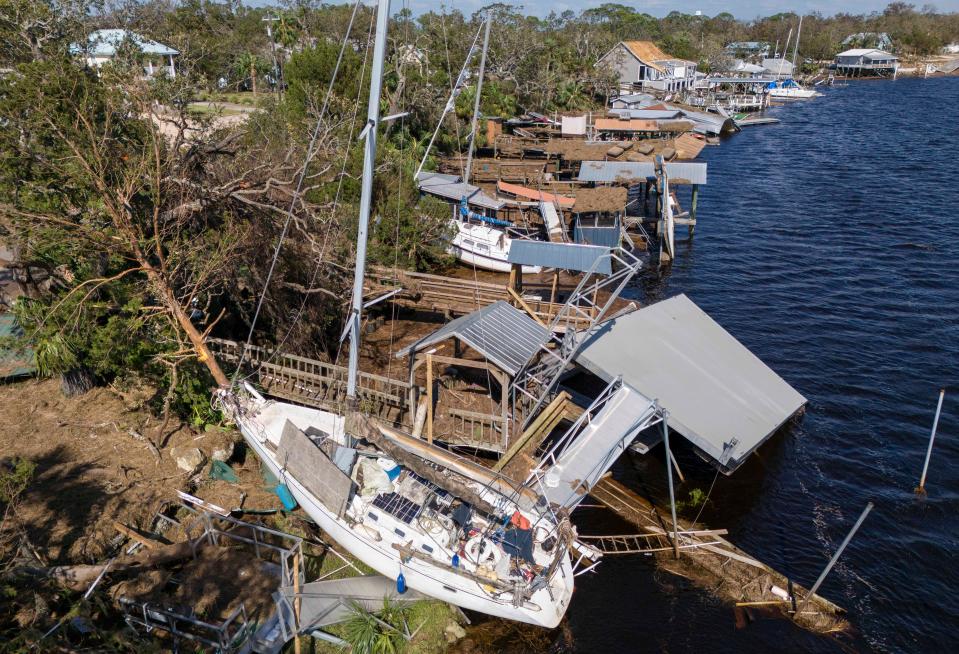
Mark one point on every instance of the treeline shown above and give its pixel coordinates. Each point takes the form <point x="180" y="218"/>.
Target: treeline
<point x="547" y="62"/>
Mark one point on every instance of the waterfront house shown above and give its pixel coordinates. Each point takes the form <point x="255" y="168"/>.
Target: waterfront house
<point x="102" y="47"/>
<point x="866" y="62"/>
<point x="748" y="49"/>
<point x="778" y="67"/>
<point x="640" y="66"/>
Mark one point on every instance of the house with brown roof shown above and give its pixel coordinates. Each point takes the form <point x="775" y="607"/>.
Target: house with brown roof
<point x="641" y="65"/>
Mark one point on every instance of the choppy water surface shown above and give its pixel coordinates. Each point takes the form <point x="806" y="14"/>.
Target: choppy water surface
<point x="828" y="245"/>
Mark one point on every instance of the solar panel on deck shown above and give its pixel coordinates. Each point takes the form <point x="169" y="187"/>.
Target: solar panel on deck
<point x="397" y="506"/>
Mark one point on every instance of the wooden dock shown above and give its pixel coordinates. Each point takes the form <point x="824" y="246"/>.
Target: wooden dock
<point x="708" y="559"/>
<point x="456" y="296"/>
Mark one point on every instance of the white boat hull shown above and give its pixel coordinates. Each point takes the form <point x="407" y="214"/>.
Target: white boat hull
<point x="792" y="94"/>
<point x="486" y="248"/>
<point x="380" y="555"/>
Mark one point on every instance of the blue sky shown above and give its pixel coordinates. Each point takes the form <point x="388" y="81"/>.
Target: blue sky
<point x="744" y="9"/>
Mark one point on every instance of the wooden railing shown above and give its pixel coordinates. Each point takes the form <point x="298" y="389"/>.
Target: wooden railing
<point x="478" y="430"/>
<point x="316" y="383"/>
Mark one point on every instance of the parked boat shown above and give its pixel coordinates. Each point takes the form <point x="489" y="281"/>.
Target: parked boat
<point x="483" y="246"/>
<point x="502" y="552"/>
<point x="790" y="90"/>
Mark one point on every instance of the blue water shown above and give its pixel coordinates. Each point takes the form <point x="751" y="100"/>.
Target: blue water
<point x="828" y="245"/>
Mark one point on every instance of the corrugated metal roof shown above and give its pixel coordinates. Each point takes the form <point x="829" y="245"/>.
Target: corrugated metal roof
<point x="534" y="194"/>
<point x="603" y="236"/>
<point x="625" y="125"/>
<point x="709" y="123"/>
<point x="562" y="256"/>
<point x="451" y="188"/>
<point x="719" y="395"/>
<point x="635" y="98"/>
<point x="503" y="334"/>
<point x="647" y="114"/>
<point x="613" y="171"/>
<point x="104" y="43"/>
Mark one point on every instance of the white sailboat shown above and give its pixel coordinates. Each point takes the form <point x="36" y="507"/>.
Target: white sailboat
<point x="483" y="246"/>
<point x="790" y="89"/>
<point x="436" y="523"/>
<point x="478" y="240"/>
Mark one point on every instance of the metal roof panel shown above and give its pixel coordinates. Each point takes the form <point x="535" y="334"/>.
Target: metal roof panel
<point x="562" y="256"/>
<point x="503" y="334"/>
<point x="719" y="395"/>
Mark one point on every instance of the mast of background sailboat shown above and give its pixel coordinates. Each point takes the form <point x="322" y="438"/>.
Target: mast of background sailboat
<point x="782" y="59"/>
<point x="366" y="194"/>
<point x="476" y="103"/>
<point x="796" y="45"/>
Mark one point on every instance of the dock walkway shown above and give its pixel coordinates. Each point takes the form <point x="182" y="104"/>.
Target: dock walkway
<point x="709" y="560"/>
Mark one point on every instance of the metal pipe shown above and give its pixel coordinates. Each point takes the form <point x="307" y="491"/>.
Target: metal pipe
<point x="366" y="196"/>
<point x="932" y="438"/>
<point x="476" y="103"/>
<point x="669" y="477"/>
<point x="835" y="557"/>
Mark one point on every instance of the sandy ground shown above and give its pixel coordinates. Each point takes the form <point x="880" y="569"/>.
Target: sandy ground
<point x="101" y="457"/>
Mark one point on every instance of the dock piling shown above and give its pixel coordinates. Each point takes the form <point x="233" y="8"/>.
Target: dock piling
<point x="921" y="489"/>
<point x="669" y="477"/>
<point x="835" y="557"/>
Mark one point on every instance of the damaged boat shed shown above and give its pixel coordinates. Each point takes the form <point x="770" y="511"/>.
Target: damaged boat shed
<point x="719" y="395"/>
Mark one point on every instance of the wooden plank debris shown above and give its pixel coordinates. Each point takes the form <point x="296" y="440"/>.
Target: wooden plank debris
<point x="716" y="563"/>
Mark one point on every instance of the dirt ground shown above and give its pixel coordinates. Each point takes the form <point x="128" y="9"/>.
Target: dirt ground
<point x="102" y="457"/>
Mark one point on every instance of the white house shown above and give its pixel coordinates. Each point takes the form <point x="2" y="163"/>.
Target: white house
<point x="866" y="61"/>
<point x="778" y="67"/>
<point x="640" y="65"/>
<point x="102" y="45"/>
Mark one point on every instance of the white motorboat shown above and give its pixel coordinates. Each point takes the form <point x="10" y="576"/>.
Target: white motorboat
<point x="483" y="246"/>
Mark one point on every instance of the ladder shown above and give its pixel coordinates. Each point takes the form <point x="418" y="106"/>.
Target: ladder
<point x="648" y="543"/>
<point x="534" y="384"/>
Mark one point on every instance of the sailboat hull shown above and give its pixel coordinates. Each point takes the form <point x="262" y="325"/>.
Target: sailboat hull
<point x="435" y="582"/>
<point x="484" y="247"/>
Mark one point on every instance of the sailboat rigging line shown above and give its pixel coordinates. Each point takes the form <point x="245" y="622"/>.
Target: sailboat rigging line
<point x="335" y="205"/>
<point x="310" y="151"/>
<point x="399" y="200"/>
<point x="450" y="103"/>
<point x="449" y="73"/>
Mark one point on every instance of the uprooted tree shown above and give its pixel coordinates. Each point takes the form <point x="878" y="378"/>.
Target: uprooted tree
<point x="134" y="219"/>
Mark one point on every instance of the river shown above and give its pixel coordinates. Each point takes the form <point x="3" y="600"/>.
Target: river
<point x="829" y="245"/>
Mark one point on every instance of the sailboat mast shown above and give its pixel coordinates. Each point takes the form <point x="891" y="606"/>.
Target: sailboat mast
<point x="796" y="45"/>
<point x="783" y="56"/>
<point x="476" y="103"/>
<point x="366" y="193"/>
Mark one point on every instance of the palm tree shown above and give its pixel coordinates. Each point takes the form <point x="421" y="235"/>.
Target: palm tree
<point x="248" y="65"/>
